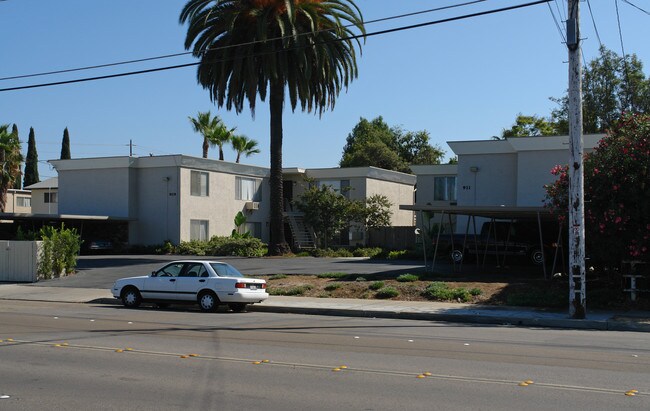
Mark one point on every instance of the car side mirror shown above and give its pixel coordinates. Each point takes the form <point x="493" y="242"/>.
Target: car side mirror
<point x="153" y="273"/>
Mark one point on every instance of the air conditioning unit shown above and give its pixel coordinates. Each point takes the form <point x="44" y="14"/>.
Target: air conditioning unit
<point x="252" y="205"/>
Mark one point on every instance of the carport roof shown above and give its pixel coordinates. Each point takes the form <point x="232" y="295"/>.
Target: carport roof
<point x="61" y="217"/>
<point x="497" y="212"/>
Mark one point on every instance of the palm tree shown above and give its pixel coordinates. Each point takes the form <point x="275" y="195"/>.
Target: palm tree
<point x="248" y="48"/>
<point x="244" y="145"/>
<point x="201" y="124"/>
<point x="219" y="135"/>
<point x="10" y="159"/>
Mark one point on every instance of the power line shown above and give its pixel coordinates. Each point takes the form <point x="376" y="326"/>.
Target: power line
<point x="557" y="24"/>
<point x="635" y="6"/>
<point x="594" y="21"/>
<point x="377" y="33"/>
<point x="165" y="56"/>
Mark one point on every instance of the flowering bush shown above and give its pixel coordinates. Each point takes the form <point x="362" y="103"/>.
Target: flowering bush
<point x="617" y="193"/>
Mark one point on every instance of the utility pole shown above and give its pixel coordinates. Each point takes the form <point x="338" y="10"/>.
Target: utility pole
<point x="577" y="284"/>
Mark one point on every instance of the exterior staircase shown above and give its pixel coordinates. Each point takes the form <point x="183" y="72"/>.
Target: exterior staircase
<point x="303" y="236"/>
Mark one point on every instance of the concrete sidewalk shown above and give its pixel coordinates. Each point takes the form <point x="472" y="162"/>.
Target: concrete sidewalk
<point x="413" y="310"/>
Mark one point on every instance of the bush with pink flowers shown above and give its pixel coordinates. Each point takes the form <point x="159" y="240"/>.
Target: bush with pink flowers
<point x="617" y="193"/>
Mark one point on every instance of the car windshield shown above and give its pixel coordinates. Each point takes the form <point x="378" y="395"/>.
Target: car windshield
<point x="225" y="270"/>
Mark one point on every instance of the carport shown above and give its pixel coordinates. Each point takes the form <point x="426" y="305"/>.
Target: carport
<point x="538" y="215"/>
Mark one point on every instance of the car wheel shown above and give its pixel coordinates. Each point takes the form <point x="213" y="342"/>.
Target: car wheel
<point x="237" y="307"/>
<point x="456" y="255"/>
<point x="208" y="301"/>
<point x="131" y="297"/>
<point x="537" y="257"/>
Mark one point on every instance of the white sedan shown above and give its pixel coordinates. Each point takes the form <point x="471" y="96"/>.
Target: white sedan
<point x="208" y="283"/>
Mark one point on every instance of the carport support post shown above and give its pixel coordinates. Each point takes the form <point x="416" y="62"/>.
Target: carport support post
<point x="577" y="290"/>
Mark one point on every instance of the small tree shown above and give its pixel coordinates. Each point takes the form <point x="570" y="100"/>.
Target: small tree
<point x="617" y="193"/>
<point x="326" y="211"/>
<point x="31" y="163"/>
<point x="374" y="212"/>
<point x="65" y="145"/>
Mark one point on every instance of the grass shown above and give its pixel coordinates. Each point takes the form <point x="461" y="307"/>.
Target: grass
<point x="440" y="291"/>
<point x="332" y="287"/>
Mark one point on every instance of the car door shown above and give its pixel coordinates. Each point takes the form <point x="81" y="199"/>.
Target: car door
<point x="192" y="279"/>
<point x="161" y="285"/>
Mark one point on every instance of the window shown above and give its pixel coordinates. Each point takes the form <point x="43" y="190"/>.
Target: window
<point x="49" y="197"/>
<point x="444" y="188"/>
<point x="248" y="189"/>
<point x="254" y="228"/>
<point x="199" y="230"/>
<point x="23" y="202"/>
<point x="339" y="186"/>
<point x="194" y="270"/>
<point x="199" y="184"/>
<point x="171" y="270"/>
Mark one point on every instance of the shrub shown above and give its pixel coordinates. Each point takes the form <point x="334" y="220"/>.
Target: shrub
<point x="407" y="278"/>
<point x="343" y="252"/>
<point x="297" y="290"/>
<point x="387" y="292"/>
<point x="360" y="279"/>
<point x="241" y="247"/>
<point x="277" y="276"/>
<point x="332" y="287"/>
<point x="376" y="285"/>
<point x="367" y="252"/>
<point x="442" y="292"/>
<point x="332" y="275"/>
<point x="59" y="251"/>
<point x="401" y="255"/>
<point x="476" y="292"/>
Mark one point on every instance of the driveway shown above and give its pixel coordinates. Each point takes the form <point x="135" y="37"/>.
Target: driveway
<point x="102" y="271"/>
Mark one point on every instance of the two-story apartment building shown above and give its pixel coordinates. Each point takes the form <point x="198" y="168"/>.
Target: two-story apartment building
<point x="45" y="197"/>
<point x="18" y="201"/>
<point x="181" y="198"/>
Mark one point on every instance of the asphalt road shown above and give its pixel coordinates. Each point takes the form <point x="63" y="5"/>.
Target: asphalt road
<point x="70" y="356"/>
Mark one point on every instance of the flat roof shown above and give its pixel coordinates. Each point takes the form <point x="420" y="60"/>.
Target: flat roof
<point x="498" y="212"/>
<point x="30" y="216"/>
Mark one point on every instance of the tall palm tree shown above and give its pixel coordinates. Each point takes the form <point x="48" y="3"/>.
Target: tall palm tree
<point x="10" y="159"/>
<point x="201" y="124"/>
<point x="244" y="145"/>
<point x="248" y="48"/>
<point x="220" y="135"/>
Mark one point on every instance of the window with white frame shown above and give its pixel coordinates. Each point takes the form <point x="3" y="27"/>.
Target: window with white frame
<point x="444" y="188"/>
<point x="50" y="197"/>
<point x="199" y="230"/>
<point x="200" y="184"/>
<point x="248" y="189"/>
<point x="23" y="202"/>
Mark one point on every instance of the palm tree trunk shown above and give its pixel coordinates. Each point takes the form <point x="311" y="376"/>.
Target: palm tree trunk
<point x="238" y="156"/>
<point x="278" y="245"/>
<point x="220" y="153"/>
<point x="206" y="146"/>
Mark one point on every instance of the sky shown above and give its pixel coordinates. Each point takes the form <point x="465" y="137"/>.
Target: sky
<point x="461" y="80"/>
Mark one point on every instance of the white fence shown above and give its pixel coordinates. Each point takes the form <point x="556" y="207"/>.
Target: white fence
<point x="19" y="261"/>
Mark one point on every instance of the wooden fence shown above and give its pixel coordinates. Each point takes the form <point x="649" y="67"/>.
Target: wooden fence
<point x="19" y="261"/>
<point x="394" y="238"/>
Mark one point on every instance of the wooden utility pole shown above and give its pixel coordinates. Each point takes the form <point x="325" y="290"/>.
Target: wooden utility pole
<point x="577" y="285"/>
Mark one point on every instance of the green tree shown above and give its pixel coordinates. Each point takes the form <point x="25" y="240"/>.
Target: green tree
<point x="530" y="126"/>
<point x="611" y="85"/>
<point x="10" y="159"/>
<point x="31" y="164"/>
<point x="219" y="135"/>
<point x="617" y="193"/>
<point x="374" y="212"/>
<point x="17" y="181"/>
<point x="326" y="211"/>
<point x="251" y="48"/>
<point x="243" y="145"/>
<point x="375" y="143"/>
<point x="65" y="145"/>
<point x="202" y="124"/>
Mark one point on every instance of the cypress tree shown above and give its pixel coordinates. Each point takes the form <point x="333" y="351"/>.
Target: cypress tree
<point x="31" y="164"/>
<point x="65" y="145"/>
<point x="18" y="180"/>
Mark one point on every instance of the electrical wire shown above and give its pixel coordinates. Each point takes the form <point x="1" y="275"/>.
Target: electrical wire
<point x="376" y="33"/>
<point x="594" y="21"/>
<point x="557" y="24"/>
<point x="637" y="7"/>
<point x="620" y="35"/>
<point x="166" y="56"/>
